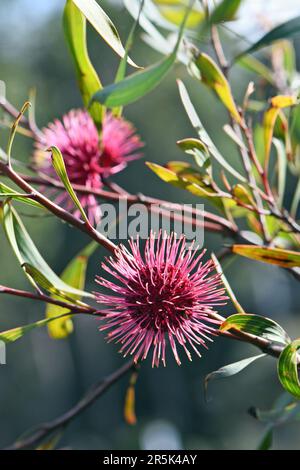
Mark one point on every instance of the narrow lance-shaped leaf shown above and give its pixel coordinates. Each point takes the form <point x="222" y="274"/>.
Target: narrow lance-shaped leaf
<point x="283" y="31"/>
<point x="137" y="85"/>
<point x="9" y="336"/>
<point x="214" y="78"/>
<point x="288" y="368"/>
<point x="60" y="168"/>
<point x="14" y="130"/>
<point x="74" y="275"/>
<point x="103" y="25"/>
<point x="7" y="192"/>
<point x="129" y="406"/>
<point x="256" y="325"/>
<point x="226" y="284"/>
<point x="277" y="256"/>
<point x="75" y="32"/>
<point x="203" y="135"/>
<point x="225" y="11"/>
<point x="171" y="177"/>
<point x="27" y="253"/>
<point x="230" y="369"/>
<point x="270" y="116"/>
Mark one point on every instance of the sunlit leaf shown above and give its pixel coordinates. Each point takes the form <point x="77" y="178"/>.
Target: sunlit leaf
<point x="9" y="336"/>
<point x="256" y="325"/>
<point x="225" y="11"/>
<point x="203" y="135"/>
<point x="7" y="192"/>
<point x="277" y="256"/>
<point x="75" y="32"/>
<point x="27" y="253"/>
<point x="137" y="85"/>
<point x="184" y="183"/>
<point x="288" y="368"/>
<point x="102" y="24"/>
<point x="214" y="78"/>
<point x="74" y="275"/>
<point x="60" y="168"/>
<point x="254" y="65"/>
<point x="283" y="31"/>
<point x="226" y="284"/>
<point x="14" y="130"/>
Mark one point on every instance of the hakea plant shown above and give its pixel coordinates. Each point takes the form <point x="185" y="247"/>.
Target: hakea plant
<point x="165" y="293"/>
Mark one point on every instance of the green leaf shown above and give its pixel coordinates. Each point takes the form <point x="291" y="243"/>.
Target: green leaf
<point x="254" y="65"/>
<point x="281" y="170"/>
<point x="27" y="253"/>
<point x="226" y="284"/>
<point x="97" y="17"/>
<point x="225" y="11"/>
<point x="283" y="31"/>
<point x="74" y="275"/>
<point x="203" y="135"/>
<point x="277" y="256"/>
<point x="14" y="130"/>
<point x="184" y="182"/>
<point x="138" y="84"/>
<point x="6" y="191"/>
<point x="60" y="168"/>
<point x="214" y="78"/>
<point x="288" y="368"/>
<point x="230" y="369"/>
<point x="9" y="336"/>
<point x="267" y="440"/>
<point x="285" y="409"/>
<point x="75" y="32"/>
<point x="256" y="325"/>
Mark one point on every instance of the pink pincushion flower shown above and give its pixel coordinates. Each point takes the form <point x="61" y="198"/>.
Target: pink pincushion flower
<point x="166" y="293"/>
<point x="89" y="156"/>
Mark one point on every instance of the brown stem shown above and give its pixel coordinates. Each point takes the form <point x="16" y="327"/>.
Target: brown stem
<point x="87" y="400"/>
<point x="211" y="221"/>
<point x="45" y="298"/>
<point x="57" y="210"/>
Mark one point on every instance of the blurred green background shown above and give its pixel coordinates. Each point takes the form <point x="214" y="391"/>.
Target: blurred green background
<point x="43" y="377"/>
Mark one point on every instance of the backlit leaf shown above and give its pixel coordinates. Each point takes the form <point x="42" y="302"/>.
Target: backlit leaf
<point x="288" y="368"/>
<point x="277" y="256"/>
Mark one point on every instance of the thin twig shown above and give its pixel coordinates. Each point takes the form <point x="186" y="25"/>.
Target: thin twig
<point x="87" y="400"/>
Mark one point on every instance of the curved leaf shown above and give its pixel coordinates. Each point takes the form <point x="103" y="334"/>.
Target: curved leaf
<point x="74" y="275"/>
<point x="288" y="368"/>
<point x="230" y="369"/>
<point x="277" y="256"/>
<point x="60" y="168"/>
<point x="26" y="251"/>
<point x="103" y="25"/>
<point x="283" y="31"/>
<point x="75" y="32"/>
<point x="138" y="84"/>
<point x="256" y="325"/>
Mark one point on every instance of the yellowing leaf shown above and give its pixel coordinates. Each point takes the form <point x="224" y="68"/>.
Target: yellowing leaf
<point x="74" y="275"/>
<point x="214" y="78"/>
<point x="277" y="256"/>
<point x="283" y="101"/>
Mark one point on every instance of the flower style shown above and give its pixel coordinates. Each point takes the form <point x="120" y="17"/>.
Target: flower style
<point x="165" y="293"/>
<point x="89" y="156"/>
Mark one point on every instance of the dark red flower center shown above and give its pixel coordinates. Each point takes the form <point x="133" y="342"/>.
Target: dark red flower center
<point x="161" y="298"/>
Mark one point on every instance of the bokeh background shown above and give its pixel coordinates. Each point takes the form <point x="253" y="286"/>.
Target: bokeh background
<point x="43" y="377"/>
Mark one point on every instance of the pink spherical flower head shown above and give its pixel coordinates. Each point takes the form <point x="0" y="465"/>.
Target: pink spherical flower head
<point x="164" y="294"/>
<point x="89" y="156"/>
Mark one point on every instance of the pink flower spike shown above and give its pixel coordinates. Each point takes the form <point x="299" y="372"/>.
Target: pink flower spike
<point x="89" y="156"/>
<point x="164" y="295"/>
